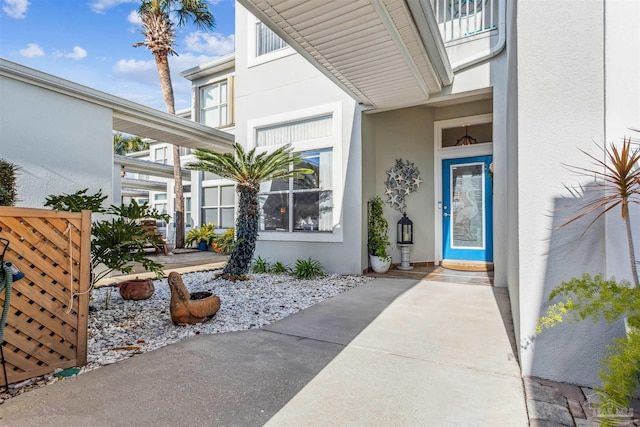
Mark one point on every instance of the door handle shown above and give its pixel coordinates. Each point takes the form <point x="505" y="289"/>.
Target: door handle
<point x="446" y="214"/>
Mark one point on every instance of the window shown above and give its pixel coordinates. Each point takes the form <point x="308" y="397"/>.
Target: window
<point x="266" y="40"/>
<point x="214" y="105"/>
<point x="160" y="202"/>
<point x="185" y="151"/>
<point x="218" y="206"/>
<point x="303" y="204"/>
<point x="161" y="155"/>
<point x="301" y="130"/>
<point x="188" y="219"/>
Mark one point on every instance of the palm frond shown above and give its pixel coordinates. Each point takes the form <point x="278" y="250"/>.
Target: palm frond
<point x="621" y="176"/>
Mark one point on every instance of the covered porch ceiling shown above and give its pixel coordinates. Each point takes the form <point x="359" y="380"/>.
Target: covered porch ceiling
<point x="385" y="53"/>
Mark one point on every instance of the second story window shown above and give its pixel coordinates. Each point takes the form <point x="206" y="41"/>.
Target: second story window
<point x="214" y="104"/>
<point x="161" y="155"/>
<point x="266" y="40"/>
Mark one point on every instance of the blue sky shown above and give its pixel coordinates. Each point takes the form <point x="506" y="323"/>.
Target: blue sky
<point x="91" y="42"/>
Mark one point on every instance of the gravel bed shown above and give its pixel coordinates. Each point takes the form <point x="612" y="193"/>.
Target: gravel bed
<point x="120" y="328"/>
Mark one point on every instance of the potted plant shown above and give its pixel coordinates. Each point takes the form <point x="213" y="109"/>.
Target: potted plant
<point x="378" y="236"/>
<point x="117" y="242"/>
<point x="224" y="242"/>
<point x="202" y="236"/>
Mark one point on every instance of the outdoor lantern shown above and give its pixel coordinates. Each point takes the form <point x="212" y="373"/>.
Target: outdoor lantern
<point x="405" y="230"/>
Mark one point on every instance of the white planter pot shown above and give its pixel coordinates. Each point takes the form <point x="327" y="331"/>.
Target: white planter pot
<point x="380" y="265"/>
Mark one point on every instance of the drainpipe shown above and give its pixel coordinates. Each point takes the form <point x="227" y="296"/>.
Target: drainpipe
<point x="493" y="51"/>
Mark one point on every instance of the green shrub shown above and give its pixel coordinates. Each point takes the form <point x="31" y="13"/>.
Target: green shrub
<point x="378" y="229"/>
<point x="205" y="233"/>
<point x="307" y="269"/>
<point x="8" y="190"/>
<point x="280" y="268"/>
<point x="117" y="242"/>
<point x="260" y="266"/>
<point x="77" y="201"/>
<point x="597" y="298"/>
<point x="225" y="241"/>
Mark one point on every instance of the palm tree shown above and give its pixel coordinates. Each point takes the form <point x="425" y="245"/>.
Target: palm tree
<point x="160" y="36"/>
<point x="248" y="170"/>
<point x="619" y="172"/>
<point x="123" y="145"/>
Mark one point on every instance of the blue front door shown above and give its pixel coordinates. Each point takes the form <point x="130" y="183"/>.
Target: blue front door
<point x="467" y="209"/>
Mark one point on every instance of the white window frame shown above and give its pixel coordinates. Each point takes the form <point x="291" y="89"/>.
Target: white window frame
<point x="334" y="142"/>
<point x="228" y="102"/>
<point x="164" y="160"/>
<point x="253" y="59"/>
<point x="218" y="183"/>
<point x="159" y="201"/>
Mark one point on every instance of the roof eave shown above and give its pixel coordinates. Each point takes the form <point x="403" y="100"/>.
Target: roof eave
<point x="128" y="116"/>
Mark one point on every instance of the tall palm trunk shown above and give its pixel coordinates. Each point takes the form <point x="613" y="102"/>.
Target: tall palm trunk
<point x="162" y="61"/>
<point x="246" y="230"/>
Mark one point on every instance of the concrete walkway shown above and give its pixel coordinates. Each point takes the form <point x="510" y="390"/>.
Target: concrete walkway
<point x="388" y="353"/>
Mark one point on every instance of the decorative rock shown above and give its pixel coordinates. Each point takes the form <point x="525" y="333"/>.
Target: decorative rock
<point x="186" y="310"/>
<point x="137" y="289"/>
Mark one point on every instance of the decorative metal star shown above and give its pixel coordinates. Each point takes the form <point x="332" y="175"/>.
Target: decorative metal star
<point x="403" y="179"/>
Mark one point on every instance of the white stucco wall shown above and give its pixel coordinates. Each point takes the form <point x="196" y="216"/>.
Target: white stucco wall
<point x="407" y="134"/>
<point x="285" y="87"/>
<point x="506" y="110"/>
<point x="61" y="144"/>
<point x="561" y="107"/>
<point x="622" y="68"/>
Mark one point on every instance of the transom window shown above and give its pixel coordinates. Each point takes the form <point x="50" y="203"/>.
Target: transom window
<point x="214" y="104"/>
<point x="218" y="205"/>
<point x="266" y="40"/>
<point x="300" y="130"/>
<point x="303" y="204"/>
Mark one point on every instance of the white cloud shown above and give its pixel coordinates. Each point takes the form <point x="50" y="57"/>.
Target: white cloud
<point x="145" y="74"/>
<point x="210" y="43"/>
<point x="100" y="6"/>
<point x="31" y="51"/>
<point x="134" y="18"/>
<point x="77" y="54"/>
<point x="16" y="8"/>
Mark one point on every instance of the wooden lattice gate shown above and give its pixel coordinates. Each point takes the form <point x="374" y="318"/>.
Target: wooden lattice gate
<point x="47" y="321"/>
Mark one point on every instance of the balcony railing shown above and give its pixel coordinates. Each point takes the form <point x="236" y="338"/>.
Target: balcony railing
<point x="464" y="18"/>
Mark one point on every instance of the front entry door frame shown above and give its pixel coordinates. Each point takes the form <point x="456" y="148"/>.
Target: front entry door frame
<point x="443" y="153"/>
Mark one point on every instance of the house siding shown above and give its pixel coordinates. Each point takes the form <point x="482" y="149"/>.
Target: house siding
<point x="61" y="144"/>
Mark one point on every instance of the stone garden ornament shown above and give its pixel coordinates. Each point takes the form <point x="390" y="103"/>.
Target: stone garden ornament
<point x="403" y="179"/>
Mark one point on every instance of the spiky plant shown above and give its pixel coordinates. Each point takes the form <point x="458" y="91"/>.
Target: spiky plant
<point x="248" y="170"/>
<point x="7" y="183"/>
<point x="160" y="36"/>
<point x="620" y="175"/>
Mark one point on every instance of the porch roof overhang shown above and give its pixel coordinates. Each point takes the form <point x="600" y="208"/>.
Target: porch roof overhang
<point x="146" y="167"/>
<point x="385" y="53"/>
<point x="128" y="117"/>
<point x="143" y="184"/>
